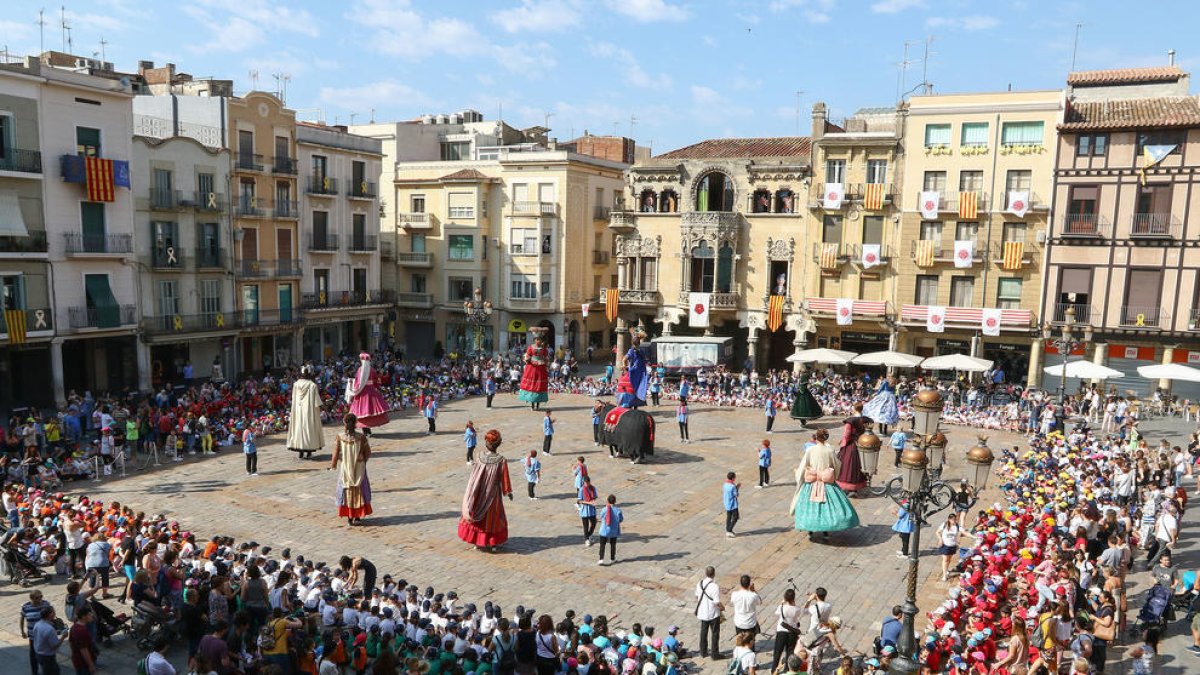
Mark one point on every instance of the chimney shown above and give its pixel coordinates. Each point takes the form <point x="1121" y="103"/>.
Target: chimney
<point x="1171" y="57"/>
<point x="819" y="117"/>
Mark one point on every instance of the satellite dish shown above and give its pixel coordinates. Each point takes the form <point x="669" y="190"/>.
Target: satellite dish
<point x="124" y="81"/>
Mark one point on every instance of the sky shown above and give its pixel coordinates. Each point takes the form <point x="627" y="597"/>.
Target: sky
<point x="666" y="72"/>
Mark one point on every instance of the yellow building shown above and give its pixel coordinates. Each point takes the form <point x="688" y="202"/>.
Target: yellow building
<point x="722" y="217"/>
<point x="978" y="176"/>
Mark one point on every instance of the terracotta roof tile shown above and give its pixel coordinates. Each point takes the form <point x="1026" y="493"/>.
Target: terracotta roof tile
<point x="1094" y="78"/>
<point x="736" y="148"/>
<point x="465" y="175"/>
<point x="1172" y="111"/>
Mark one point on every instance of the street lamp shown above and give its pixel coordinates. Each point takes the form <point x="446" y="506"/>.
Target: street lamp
<point x="1067" y="343"/>
<point x="477" y="312"/>
<point x="920" y="490"/>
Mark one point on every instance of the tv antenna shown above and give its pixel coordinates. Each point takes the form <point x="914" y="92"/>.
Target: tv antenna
<point x="41" y="30"/>
<point x="103" y="50"/>
<point x="281" y="82"/>
<point x="372" y="116"/>
<point x="632" y="123"/>
<point x="66" y="28"/>
<point x="546" y="120"/>
<point x="799" y="93"/>
<point x="352" y="116"/>
<point x="1075" y="49"/>
<point x="253" y="80"/>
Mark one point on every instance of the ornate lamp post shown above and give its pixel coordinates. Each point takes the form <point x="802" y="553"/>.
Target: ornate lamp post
<point x="920" y="490"/>
<point x="478" y="312"/>
<point x="1065" y="344"/>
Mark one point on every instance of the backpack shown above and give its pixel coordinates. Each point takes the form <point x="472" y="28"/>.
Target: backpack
<point x="506" y="658"/>
<point x="1039" y="634"/>
<point x="735" y="667"/>
<point x="266" y="637"/>
<point x="142" y="667"/>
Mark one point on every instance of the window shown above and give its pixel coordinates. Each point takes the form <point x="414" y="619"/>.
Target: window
<point x="210" y="297"/>
<point x="1022" y="133"/>
<point x="12" y="292"/>
<point x="835" y="171"/>
<point x="358" y="176"/>
<point x="927" y="287"/>
<point x="937" y="135"/>
<point x="647" y="271"/>
<point x="970" y="181"/>
<point x="168" y="298"/>
<point x="974" y="135"/>
<point x="161" y="195"/>
<point x="1091" y="145"/>
<point x="455" y="151"/>
<point x="545" y="289"/>
<point x="1014" y="232"/>
<point x="358" y="230"/>
<point x="523" y="288"/>
<point x="358" y="281"/>
<point x="524" y="241"/>
<point x="1074" y="290"/>
<point x="165" y="239"/>
<point x="1018" y="179"/>
<point x="416" y="242"/>
<point x="831" y="229"/>
<point x="703" y="264"/>
<point x="206" y="184"/>
<point x="725" y="269"/>
<point x="320" y="168"/>
<point x="872" y="232"/>
<point x="935" y="181"/>
<point x="760" y="202"/>
<point x="321" y="284"/>
<point x="964" y="231"/>
<point x="715" y="192"/>
<point x="1008" y="293"/>
<point x="462" y="247"/>
<point x="92" y="225"/>
<point x="417" y="202"/>
<point x="1143" y="295"/>
<point x="931" y="230"/>
<point x="546" y="246"/>
<point x="6" y="135"/>
<point x="320" y="235"/>
<point x="250" y="304"/>
<point x="245" y="147"/>
<point x="285" y="303"/>
<point x="87" y="142"/>
<point x="1081" y="210"/>
<point x="208" y="244"/>
<point x="876" y="170"/>
<point x="461" y="205"/>
<point x="962" y="291"/>
<point x="1171" y="138"/>
<point x="417" y="283"/>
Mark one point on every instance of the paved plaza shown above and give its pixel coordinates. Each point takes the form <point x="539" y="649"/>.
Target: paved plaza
<point x="673" y="528"/>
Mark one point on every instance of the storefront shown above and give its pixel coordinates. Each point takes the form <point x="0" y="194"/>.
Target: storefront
<point x="100" y="364"/>
<point x="1127" y="359"/>
<point x="419" y="340"/>
<point x="335" y="337"/>
<point x="863" y="343"/>
<point x="1188" y="390"/>
<point x="1012" y="359"/>
<point x="467" y="339"/>
<point x="25" y="376"/>
<point x="264" y="352"/>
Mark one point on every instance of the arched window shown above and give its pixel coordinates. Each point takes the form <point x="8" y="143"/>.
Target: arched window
<point x="725" y="269"/>
<point x="668" y="201"/>
<point x="648" y="201"/>
<point x="785" y="201"/>
<point x="703" y="268"/>
<point x="761" y="202"/>
<point x="714" y="192"/>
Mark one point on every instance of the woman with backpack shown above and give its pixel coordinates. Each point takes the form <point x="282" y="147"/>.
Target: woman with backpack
<point x="273" y="640"/>
<point x="504" y="649"/>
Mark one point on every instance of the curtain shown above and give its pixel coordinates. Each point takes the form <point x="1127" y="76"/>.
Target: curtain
<point x="975" y="133"/>
<point x="937" y="134"/>
<point x="101" y="300"/>
<point x="1022" y="133"/>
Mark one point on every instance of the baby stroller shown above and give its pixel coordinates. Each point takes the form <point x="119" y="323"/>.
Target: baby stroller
<point x="1157" y="610"/>
<point x="149" y="622"/>
<point x="108" y="623"/>
<point x="22" y="570"/>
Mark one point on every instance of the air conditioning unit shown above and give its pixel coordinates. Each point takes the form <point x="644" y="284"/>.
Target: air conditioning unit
<point x="1040" y="236"/>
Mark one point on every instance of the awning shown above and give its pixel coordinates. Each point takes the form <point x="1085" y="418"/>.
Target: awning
<point x="102" y="301"/>
<point x="12" y="223"/>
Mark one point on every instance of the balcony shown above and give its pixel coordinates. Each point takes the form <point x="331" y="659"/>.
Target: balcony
<point x="288" y="268"/>
<point x="362" y="190"/>
<point x="415" y="300"/>
<point x="1153" y="226"/>
<point x="1083" y="313"/>
<point x="529" y="304"/>
<point x="601" y="212"/>
<point x="322" y="242"/>
<point x="286" y="209"/>
<point x="856" y="193"/>
<point x="36" y="242"/>
<point x="109" y="317"/>
<point x="248" y="162"/>
<point x="1000" y="251"/>
<point x="534" y="208"/>
<point x="164" y="200"/>
<point x="408" y="259"/>
<point x="830" y="255"/>
<point x="179" y="324"/>
<point x="254" y="269"/>
<point x="21" y="161"/>
<point x="210" y="258"/>
<point x="364" y="243"/>
<point x="268" y="318"/>
<point x="519" y="249"/>
<point x="417" y="221"/>
<point x="600" y="257"/>
<point x="622" y="222"/>
<point x="284" y="165"/>
<point x="322" y="185"/>
<point x="387" y="247"/>
<point x="340" y="299"/>
<point x="827" y="307"/>
<point x="717" y="222"/>
<point x="969" y="318"/>
<point x="1084" y="225"/>
<point x="717" y="301"/>
<point x="37" y="320"/>
<point x="249" y="207"/>
<point x="933" y="251"/>
<point x="211" y="202"/>
<point x="98" y="244"/>
<point x="856" y="255"/>
<point x="633" y="297"/>
<point x="950" y="202"/>
<point x="1133" y="316"/>
<point x="168" y="259"/>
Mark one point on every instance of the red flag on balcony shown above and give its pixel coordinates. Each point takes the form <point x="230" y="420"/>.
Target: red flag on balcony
<point x="968" y="205"/>
<point x="775" y="312"/>
<point x="829" y="256"/>
<point x="612" y="297"/>
<point x="926" y="249"/>
<point x="873" y="197"/>
<point x="1014" y="252"/>
<point x="14" y="321"/>
<point x="101" y="186"/>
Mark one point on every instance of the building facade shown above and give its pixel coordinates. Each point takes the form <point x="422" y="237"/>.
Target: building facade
<point x="725" y="218"/>
<point x="344" y="305"/>
<point x="975" y="206"/>
<point x="1123" y="250"/>
<point x="181" y="248"/>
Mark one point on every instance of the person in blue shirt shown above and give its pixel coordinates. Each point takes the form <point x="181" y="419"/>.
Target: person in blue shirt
<point x="764" y="464"/>
<point x="681" y="416"/>
<point x="889" y="634"/>
<point x="729" y="497"/>
<point x="597" y="416"/>
<point x="608" y="373"/>
<point x="547" y="433"/>
<point x="655" y="389"/>
<point x="610" y="529"/>
<point x="470" y="438"/>
<point x="903" y="527"/>
<point x="430" y="413"/>
<point x="533" y="471"/>
<point x="898" y="440"/>
<point x="685" y="389"/>
<point x="586" y="503"/>
<point x="771" y="408"/>
<point x="489" y="388"/>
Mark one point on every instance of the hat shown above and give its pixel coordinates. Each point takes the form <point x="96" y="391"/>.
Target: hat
<point x="587" y="618"/>
<point x="671" y="630"/>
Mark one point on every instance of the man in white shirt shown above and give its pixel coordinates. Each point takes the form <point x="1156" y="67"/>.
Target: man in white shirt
<point x="745" y="602"/>
<point x="818" y="609"/>
<point x="708" y="611"/>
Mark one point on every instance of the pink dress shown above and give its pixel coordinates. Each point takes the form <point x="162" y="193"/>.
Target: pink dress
<point x="366" y="403"/>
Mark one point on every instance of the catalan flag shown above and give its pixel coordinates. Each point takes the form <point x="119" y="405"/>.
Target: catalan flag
<point x="14" y="321"/>
<point x="1014" y="251"/>
<point x="968" y="205"/>
<point x="612" y="299"/>
<point x="829" y="256"/>
<point x="101" y="186"/>
<point x="873" y="197"/>
<point x="926" y="248"/>
<point x="775" y="313"/>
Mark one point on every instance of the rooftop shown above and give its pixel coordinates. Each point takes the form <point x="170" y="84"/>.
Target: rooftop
<point x="465" y="175"/>
<point x="1096" y="78"/>
<point x="737" y="148"/>
<point x="1167" y="111"/>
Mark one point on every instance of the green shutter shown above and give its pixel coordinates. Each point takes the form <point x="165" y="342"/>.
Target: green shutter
<point x="100" y="298"/>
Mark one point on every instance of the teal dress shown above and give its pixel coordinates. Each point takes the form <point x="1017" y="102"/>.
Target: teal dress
<point x="805" y="406"/>
<point x="811" y="514"/>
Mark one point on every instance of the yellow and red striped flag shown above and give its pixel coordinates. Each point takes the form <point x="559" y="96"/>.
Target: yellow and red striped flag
<point x="14" y="320"/>
<point x="873" y="197"/>
<point x="925" y="252"/>
<point x="101" y="186"/>
<point x="775" y="313"/>
<point x="1014" y="251"/>
<point x="612" y="298"/>
<point x="829" y="256"/>
<point x="968" y="205"/>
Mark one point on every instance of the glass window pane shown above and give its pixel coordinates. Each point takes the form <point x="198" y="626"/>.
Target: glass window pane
<point x="937" y="134"/>
<point x="1022" y="133"/>
<point x="974" y="134"/>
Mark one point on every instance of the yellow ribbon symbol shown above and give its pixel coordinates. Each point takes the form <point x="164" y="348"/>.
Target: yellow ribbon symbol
<point x="321" y="297"/>
<point x="325" y="183"/>
<point x="220" y="321"/>
<point x="1141" y="320"/>
<point x="362" y="188"/>
<point x="177" y="321"/>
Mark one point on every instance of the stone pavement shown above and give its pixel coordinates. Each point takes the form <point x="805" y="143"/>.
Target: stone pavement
<point x="673" y="520"/>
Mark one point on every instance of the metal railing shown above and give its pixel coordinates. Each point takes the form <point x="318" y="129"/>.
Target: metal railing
<point x="286" y="208"/>
<point x="362" y="190"/>
<point x="364" y="243"/>
<point x="854" y="251"/>
<point x="284" y="164"/>
<point x="210" y="258"/>
<point x="600" y="257"/>
<point x="601" y="212"/>
<point x="533" y="208"/>
<point x="254" y="269"/>
<point x="288" y="268"/>
<point x="322" y="242"/>
<point x="251" y="208"/>
<point x="633" y="296"/>
<point x="322" y="185"/>
<point x="164" y="200"/>
<point x="1194" y="319"/>
<point x="102" y="317"/>
<point x="35" y="242"/>
<point x="1134" y="316"/>
<point x="1083" y="313"/>
<point x="269" y="317"/>
<point x="162" y="127"/>
<point x="417" y="221"/>
<point x="167" y="258"/>
<point x="715" y="301"/>
<point x="23" y="161"/>
<point x="622" y="220"/>
<point x="334" y="299"/>
<point x="1153" y="225"/>
<point x="248" y="162"/>
<point x="190" y="323"/>
<point x="209" y="201"/>
<point x="842" y="253"/>
<point x="36" y="319"/>
<point x="98" y="243"/>
<point x="414" y="299"/>
<point x="1083" y="225"/>
<point x="410" y="258"/>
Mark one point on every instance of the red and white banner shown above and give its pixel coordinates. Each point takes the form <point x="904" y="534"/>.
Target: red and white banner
<point x="834" y="194"/>
<point x="845" y="311"/>
<point x="964" y="252"/>
<point x="990" y="322"/>
<point x="1018" y="202"/>
<point x="870" y="255"/>
<point x="698" y="309"/>
<point x="935" y="319"/>
<point x="584" y="308"/>
<point x="930" y="201"/>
